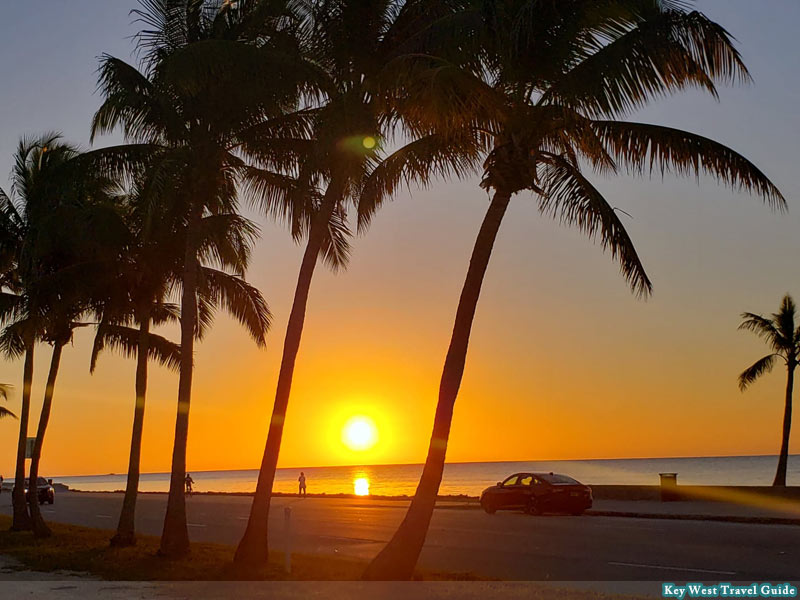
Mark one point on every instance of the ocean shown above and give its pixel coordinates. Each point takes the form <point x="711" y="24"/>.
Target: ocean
<point x="466" y="478"/>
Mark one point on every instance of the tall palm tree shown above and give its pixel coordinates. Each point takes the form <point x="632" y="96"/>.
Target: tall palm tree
<point x="556" y="78"/>
<point x="137" y="293"/>
<point x="50" y="276"/>
<point x="194" y="64"/>
<point x="38" y="180"/>
<point x="782" y="335"/>
<point x="357" y="45"/>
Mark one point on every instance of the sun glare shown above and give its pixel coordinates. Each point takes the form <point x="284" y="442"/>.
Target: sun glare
<point x="359" y="433"/>
<point x="361" y="486"/>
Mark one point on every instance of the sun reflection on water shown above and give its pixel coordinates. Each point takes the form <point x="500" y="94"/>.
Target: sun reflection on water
<point x="361" y="486"/>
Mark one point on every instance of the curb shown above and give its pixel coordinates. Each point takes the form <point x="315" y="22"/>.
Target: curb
<point x="691" y="517"/>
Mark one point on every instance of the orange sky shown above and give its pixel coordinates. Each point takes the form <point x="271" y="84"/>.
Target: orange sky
<point x="564" y="362"/>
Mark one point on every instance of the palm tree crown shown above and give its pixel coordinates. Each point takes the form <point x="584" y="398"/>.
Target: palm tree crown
<point x="780" y="334"/>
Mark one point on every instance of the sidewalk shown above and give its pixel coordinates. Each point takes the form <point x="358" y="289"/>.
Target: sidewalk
<point x="739" y="507"/>
<point x="749" y="509"/>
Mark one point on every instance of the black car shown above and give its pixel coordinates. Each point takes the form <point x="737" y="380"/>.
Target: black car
<point x="44" y="490"/>
<point x="537" y="493"/>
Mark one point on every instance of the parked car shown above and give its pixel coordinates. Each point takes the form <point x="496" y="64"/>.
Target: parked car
<point x="44" y="490"/>
<point x="537" y="493"/>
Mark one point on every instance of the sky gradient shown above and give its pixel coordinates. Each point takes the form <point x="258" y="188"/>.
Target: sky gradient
<point x="564" y="361"/>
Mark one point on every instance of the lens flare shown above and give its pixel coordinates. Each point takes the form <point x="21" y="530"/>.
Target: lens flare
<point x="369" y="142"/>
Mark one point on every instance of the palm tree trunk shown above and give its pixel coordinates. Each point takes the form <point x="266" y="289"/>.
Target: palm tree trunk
<point x="253" y="549"/>
<point x="126" y="528"/>
<point x="40" y="528"/>
<point x="783" y="460"/>
<point x="22" y="519"/>
<point x="398" y="559"/>
<point x="175" y="535"/>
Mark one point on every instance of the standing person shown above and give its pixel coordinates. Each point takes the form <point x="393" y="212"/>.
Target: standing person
<point x="1" y="484"/>
<point x="302" y="480"/>
<point x="189" y="481"/>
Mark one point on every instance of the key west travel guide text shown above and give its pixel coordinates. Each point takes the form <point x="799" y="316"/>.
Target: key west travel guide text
<point x="728" y="590"/>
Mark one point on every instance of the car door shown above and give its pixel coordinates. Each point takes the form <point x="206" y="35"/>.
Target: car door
<point x="525" y="488"/>
<point x="540" y="491"/>
<point x="508" y="492"/>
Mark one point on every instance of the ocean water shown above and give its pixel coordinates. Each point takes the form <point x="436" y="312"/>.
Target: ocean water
<point x="467" y="478"/>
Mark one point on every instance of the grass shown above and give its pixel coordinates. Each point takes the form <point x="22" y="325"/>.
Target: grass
<point x="87" y="550"/>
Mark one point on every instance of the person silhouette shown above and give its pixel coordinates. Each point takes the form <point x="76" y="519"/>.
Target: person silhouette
<point x="302" y="481"/>
<point x="189" y="481"/>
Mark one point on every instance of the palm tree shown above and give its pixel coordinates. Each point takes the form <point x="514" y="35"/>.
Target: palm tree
<point x="24" y="219"/>
<point x="554" y="81"/>
<point x="343" y="146"/>
<point x="49" y="266"/>
<point x="195" y="64"/>
<point x="783" y="337"/>
<point x="136" y="293"/>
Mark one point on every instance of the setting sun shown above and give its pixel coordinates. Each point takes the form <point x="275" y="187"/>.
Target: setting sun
<point x="360" y="433"/>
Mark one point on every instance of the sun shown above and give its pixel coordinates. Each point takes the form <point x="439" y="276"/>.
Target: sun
<point x="359" y="433"/>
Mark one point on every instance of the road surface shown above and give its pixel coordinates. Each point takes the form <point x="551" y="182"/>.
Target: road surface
<point x="506" y="545"/>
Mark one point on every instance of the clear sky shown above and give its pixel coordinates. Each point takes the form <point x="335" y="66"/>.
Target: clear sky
<point x="564" y="362"/>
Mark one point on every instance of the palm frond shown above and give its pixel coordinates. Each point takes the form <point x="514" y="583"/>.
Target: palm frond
<point x="647" y="148"/>
<point x="12" y="339"/>
<point x="784" y="320"/>
<point x="336" y="243"/>
<point x="418" y="162"/>
<point x="243" y="301"/>
<point x="125" y="341"/>
<point x="227" y="240"/>
<point x="667" y="51"/>
<point x="756" y="370"/>
<point x="762" y="327"/>
<point x="568" y="196"/>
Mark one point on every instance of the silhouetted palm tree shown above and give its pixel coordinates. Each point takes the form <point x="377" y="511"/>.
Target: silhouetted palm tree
<point x="554" y="80"/>
<point x="137" y="290"/>
<point x="195" y="64"/>
<point x="782" y="335"/>
<point x="51" y="264"/>
<point x="357" y="45"/>
<point x="25" y="216"/>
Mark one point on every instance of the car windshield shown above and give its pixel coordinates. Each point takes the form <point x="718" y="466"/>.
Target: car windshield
<point x="558" y="479"/>
<point x="40" y="482"/>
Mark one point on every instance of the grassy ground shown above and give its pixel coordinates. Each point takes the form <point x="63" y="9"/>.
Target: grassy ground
<point x="87" y="550"/>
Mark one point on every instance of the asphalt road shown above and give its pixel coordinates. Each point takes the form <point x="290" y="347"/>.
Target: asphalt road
<point x="507" y="545"/>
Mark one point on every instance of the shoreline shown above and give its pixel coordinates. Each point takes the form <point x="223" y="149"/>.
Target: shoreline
<point x="726" y="494"/>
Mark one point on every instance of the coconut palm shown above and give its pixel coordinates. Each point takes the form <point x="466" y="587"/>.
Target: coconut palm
<point x="134" y="299"/>
<point x="39" y="178"/>
<point x="49" y="265"/>
<point x="782" y="335"/>
<point x="357" y="45"/>
<point x="196" y="63"/>
<point x="555" y="80"/>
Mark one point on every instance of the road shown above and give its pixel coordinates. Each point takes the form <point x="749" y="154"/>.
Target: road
<point x="508" y="545"/>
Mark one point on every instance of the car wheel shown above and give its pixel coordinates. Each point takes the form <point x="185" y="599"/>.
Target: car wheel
<point x="489" y="508"/>
<point x="576" y="513"/>
<point x="51" y="500"/>
<point x="533" y="508"/>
